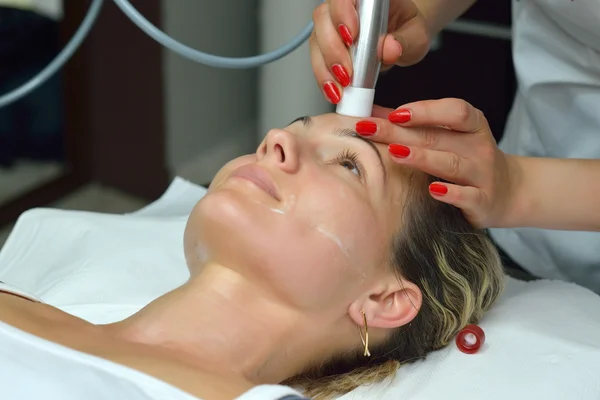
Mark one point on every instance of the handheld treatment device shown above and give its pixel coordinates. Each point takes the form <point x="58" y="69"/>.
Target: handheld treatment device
<point x="357" y="100"/>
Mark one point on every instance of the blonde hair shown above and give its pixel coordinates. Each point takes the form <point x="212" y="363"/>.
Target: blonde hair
<point x="459" y="273"/>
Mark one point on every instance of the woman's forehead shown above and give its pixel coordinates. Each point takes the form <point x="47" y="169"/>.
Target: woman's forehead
<point x="324" y="121"/>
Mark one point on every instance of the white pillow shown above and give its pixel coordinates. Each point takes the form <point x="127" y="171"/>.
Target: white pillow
<point x="542" y="338"/>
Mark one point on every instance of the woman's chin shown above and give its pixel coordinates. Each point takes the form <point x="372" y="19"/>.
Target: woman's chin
<point x="226" y="221"/>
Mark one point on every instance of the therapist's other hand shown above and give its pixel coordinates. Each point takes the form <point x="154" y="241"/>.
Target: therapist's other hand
<point x="451" y="139"/>
<point x="336" y="27"/>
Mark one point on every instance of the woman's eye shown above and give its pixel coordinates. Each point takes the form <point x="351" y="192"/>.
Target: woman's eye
<point x="350" y="166"/>
<point x="349" y="160"/>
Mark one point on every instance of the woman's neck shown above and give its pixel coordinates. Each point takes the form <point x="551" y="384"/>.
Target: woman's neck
<point x="219" y="320"/>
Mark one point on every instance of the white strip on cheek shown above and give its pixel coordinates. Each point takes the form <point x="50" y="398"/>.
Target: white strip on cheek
<point x="280" y="211"/>
<point x="334" y="239"/>
<point x="342" y="247"/>
<point x="288" y="206"/>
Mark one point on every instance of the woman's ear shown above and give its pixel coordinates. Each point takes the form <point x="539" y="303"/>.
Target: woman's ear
<point x="390" y="304"/>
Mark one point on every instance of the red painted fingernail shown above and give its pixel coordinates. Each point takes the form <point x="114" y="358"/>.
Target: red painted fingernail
<point x="332" y="92"/>
<point x="345" y="34"/>
<point x="366" y="128"/>
<point x="341" y="74"/>
<point x="399" y="150"/>
<point x="438" y="189"/>
<point x="400" y="116"/>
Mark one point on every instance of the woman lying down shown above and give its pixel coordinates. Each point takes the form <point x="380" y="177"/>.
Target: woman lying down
<point x="315" y="263"/>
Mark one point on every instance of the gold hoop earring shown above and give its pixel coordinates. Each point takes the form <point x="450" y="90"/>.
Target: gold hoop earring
<point x="365" y="337"/>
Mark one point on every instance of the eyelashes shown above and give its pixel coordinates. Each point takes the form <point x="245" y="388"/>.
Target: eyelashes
<point x="349" y="160"/>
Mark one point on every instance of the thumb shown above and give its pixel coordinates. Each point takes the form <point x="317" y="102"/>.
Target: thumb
<point x="392" y="51"/>
<point x="413" y="40"/>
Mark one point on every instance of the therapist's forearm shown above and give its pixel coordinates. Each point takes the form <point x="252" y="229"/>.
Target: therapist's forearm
<point x="561" y="194"/>
<point x="439" y="13"/>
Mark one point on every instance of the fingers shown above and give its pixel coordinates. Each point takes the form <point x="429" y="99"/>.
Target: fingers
<point x="331" y="90"/>
<point x="345" y="18"/>
<point x="465" y="192"/>
<point x="330" y="59"/>
<point x="455" y="114"/>
<point x="471" y="200"/>
<point x="429" y="137"/>
<point x="445" y="165"/>
<point x="331" y="45"/>
<point x="343" y="12"/>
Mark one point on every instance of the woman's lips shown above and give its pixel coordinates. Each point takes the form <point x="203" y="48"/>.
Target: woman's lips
<point x="259" y="176"/>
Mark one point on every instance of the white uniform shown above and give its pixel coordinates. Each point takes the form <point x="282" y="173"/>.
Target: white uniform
<point x="556" y="50"/>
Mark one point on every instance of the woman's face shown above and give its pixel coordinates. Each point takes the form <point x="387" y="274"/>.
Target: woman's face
<point x="309" y="216"/>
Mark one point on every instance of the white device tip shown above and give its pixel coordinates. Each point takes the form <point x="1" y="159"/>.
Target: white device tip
<point x="356" y="102"/>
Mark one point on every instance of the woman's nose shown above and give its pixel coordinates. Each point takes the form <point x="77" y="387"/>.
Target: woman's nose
<point x="280" y="148"/>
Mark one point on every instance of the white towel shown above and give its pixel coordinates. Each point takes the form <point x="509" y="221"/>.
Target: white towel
<point x="101" y="267"/>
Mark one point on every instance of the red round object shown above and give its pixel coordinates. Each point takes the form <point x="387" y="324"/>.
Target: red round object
<point x="470" y="339"/>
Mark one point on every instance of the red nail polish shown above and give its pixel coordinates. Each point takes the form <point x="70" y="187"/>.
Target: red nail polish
<point x="400" y="116"/>
<point x="438" y="189"/>
<point x="341" y="74"/>
<point x="399" y="150"/>
<point x="345" y="34"/>
<point x="332" y="92"/>
<point x="366" y="128"/>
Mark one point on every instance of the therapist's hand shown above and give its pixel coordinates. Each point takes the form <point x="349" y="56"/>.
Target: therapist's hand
<point x="336" y="27"/>
<point x="451" y="139"/>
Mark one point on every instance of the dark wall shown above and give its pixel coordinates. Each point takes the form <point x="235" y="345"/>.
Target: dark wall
<point x="114" y="101"/>
<point x="477" y="69"/>
<point x="114" y="130"/>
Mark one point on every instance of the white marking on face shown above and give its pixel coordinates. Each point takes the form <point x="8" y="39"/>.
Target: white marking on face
<point x="334" y="239"/>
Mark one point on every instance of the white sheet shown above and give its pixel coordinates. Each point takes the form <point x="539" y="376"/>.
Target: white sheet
<point x="542" y="338"/>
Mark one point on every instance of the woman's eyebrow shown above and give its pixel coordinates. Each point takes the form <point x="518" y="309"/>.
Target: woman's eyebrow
<point x="306" y="121"/>
<point x="353" y="134"/>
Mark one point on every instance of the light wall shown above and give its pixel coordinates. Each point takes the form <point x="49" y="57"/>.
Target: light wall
<point x="215" y="115"/>
<point x="288" y="89"/>
<point x="210" y="113"/>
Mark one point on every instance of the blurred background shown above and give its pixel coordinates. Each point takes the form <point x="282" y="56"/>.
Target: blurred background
<point x="125" y="115"/>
